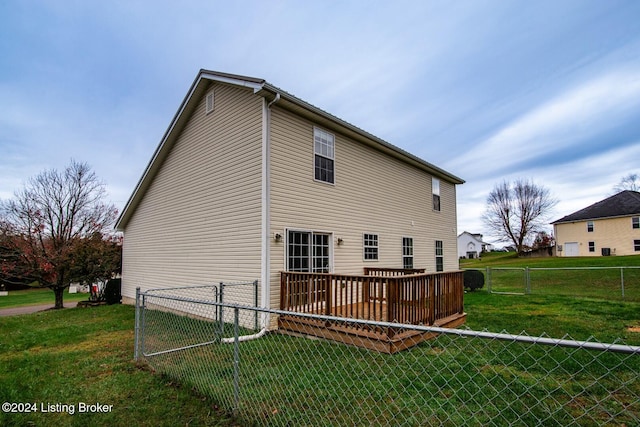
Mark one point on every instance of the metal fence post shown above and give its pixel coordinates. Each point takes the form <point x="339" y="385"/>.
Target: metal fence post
<point x="489" y="279"/>
<point x="221" y="308"/>
<point x="142" y="321"/>
<point x="136" y="325"/>
<point x="236" y="360"/>
<point x="622" y="280"/>
<point x="255" y="302"/>
<point x="527" y="281"/>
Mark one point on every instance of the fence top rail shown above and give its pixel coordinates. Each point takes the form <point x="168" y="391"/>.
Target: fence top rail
<point x="213" y="286"/>
<point x="225" y="284"/>
<point x="553" y="268"/>
<point x="368" y="277"/>
<point x="584" y="268"/>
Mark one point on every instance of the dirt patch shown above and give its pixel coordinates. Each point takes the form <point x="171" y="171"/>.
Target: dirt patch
<point x="633" y="329"/>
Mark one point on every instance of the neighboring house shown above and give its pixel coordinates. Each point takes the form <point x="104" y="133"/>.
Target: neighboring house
<point x="471" y="245"/>
<point x="608" y="227"/>
<point x="249" y="181"/>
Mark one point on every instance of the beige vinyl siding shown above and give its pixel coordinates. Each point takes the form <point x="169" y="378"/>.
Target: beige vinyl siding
<point x="199" y="221"/>
<point x="617" y="234"/>
<point x="373" y="193"/>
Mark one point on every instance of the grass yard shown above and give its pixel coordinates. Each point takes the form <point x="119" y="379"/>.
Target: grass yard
<point x="86" y="355"/>
<point x="37" y="296"/>
<point x="574" y="277"/>
<point x="450" y="380"/>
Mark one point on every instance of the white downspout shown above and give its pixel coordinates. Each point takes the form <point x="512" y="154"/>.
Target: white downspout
<point x="265" y="257"/>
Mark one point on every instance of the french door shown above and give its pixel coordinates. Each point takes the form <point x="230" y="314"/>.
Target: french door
<point x="308" y="251"/>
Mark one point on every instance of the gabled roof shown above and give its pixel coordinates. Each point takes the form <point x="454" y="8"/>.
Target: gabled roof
<point x="477" y="236"/>
<point x="262" y="88"/>
<point x="625" y="203"/>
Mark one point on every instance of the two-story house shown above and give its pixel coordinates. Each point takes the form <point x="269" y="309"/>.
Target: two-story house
<point x="608" y="227"/>
<point x="249" y="181"/>
<point x="471" y="245"/>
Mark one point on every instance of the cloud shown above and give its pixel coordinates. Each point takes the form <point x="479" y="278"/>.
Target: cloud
<point x="559" y="124"/>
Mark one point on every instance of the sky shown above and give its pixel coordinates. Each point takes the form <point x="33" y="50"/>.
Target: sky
<point x="489" y="90"/>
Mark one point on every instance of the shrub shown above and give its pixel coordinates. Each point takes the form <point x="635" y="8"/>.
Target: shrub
<point x="473" y="279"/>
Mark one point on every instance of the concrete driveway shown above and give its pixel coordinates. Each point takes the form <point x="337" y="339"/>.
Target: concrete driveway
<point x="15" y="311"/>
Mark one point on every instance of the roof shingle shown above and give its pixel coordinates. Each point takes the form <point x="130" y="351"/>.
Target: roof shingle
<point x="624" y="203"/>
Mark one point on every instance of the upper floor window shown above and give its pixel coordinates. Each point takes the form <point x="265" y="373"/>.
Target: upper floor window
<point x="635" y="222"/>
<point x="324" y="151"/>
<point x="370" y="247"/>
<point x="435" y="190"/>
<point x="407" y="252"/>
<point x="590" y="226"/>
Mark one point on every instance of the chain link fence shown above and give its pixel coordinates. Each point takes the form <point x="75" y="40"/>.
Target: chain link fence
<point x="617" y="283"/>
<point x="460" y="377"/>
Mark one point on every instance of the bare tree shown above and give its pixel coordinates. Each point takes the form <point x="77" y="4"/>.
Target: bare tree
<point x="628" y="182"/>
<point x="517" y="211"/>
<point x="46" y="222"/>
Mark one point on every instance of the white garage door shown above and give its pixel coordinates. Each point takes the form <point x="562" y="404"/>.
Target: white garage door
<point x="571" y="249"/>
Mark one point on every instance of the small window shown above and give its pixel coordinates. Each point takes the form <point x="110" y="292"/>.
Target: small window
<point x="439" y="256"/>
<point x="592" y="246"/>
<point x="407" y="252"/>
<point x="370" y="247"/>
<point x="210" y="102"/>
<point x="636" y="245"/>
<point x="590" y="226"/>
<point x="324" y="151"/>
<point x="435" y="190"/>
<point x="635" y="222"/>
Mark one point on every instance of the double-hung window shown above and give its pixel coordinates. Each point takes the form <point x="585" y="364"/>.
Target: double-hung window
<point x="324" y="153"/>
<point x="592" y="246"/>
<point x="370" y="245"/>
<point x="635" y="222"/>
<point x="407" y="252"/>
<point x="435" y="190"/>
<point x="439" y="256"/>
<point x="636" y="245"/>
<point x="590" y="226"/>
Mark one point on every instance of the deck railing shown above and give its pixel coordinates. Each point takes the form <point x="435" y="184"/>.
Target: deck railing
<point x="380" y="271"/>
<point x="422" y="298"/>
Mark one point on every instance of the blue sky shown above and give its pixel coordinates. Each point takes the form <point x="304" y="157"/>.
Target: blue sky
<point x="488" y="90"/>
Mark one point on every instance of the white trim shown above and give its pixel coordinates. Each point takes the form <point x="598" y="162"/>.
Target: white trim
<point x="413" y="251"/>
<point x="230" y="80"/>
<point x="364" y="259"/>
<point x="312" y="232"/>
<point x="313" y="140"/>
<point x="265" y="256"/>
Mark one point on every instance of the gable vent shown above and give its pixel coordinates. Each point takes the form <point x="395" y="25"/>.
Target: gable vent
<point x="209" y="102"/>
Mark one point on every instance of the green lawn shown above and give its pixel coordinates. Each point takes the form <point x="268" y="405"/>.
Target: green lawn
<point x="449" y="380"/>
<point x="510" y="259"/>
<point x="86" y="355"/>
<point x="596" y="277"/>
<point x="36" y="296"/>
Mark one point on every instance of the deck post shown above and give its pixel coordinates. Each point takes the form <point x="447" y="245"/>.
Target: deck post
<point x="328" y="286"/>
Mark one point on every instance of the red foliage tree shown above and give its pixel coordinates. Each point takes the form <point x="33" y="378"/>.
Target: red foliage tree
<point x="47" y="224"/>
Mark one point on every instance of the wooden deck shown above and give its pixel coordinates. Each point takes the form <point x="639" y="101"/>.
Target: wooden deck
<point x="432" y="299"/>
